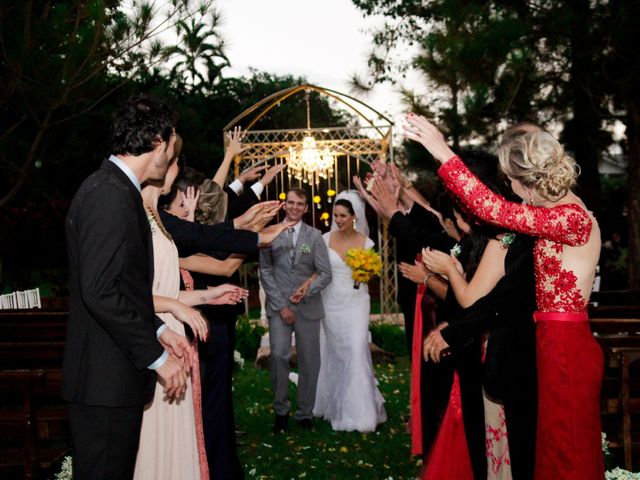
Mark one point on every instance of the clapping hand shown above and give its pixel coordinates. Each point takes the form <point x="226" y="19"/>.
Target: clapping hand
<point x="265" y="216"/>
<point x="441" y="263"/>
<point x="416" y="272"/>
<point x="387" y="199"/>
<point x="419" y="129"/>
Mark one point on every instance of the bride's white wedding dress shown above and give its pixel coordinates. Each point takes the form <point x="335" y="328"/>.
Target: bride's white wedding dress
<point x="347" y="394"/>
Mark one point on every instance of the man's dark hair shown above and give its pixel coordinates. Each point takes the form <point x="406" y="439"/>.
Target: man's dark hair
<point x="140" y="124"/>
<point x="299" y="192"/>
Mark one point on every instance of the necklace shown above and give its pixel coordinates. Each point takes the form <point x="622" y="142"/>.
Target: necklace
<point x="153" y="221"/>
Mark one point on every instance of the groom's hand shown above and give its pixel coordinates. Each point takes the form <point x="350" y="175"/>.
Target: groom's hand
<point x="288" y="317"/>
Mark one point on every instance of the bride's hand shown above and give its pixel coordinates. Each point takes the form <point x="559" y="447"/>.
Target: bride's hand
<point x="422" y="131"/>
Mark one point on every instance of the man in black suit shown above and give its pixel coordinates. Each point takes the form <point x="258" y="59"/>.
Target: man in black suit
<point x="115" y="344"/>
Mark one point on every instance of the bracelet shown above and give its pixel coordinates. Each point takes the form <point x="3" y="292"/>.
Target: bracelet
<point x="426" y="279"/>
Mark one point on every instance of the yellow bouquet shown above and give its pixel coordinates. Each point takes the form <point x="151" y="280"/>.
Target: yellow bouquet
<point x="365" y="263"/>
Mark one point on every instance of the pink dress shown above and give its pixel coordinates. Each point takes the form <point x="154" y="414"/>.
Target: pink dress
<point x="569" y="360"/>
<point x="168" y="447"/>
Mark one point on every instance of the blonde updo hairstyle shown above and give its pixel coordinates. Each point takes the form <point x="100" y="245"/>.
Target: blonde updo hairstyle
<point x="538" y="161"/>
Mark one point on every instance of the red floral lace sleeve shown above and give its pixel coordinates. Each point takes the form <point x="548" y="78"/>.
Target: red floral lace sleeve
<point x="568" y="224"/>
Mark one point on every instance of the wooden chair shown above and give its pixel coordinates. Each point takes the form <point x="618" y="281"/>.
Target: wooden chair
<point x="620" y="340"/>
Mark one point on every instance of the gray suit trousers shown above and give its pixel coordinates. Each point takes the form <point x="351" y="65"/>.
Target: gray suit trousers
<point x="308" y="351"/>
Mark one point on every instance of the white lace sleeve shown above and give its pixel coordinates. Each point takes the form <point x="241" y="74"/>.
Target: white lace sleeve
<point x="369" y="243"/>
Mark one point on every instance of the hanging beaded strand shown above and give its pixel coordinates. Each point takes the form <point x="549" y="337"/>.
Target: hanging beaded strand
<point x="158" y="223"/>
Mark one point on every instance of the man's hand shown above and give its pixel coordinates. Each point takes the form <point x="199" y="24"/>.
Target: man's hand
<point x="288" y="317"/>
<point x="434" y="346"/>
<point x="252" y="174"/>
<point x="270" y="233"/>
<point x="173" y="377"/>
<point x="271" y="173"/>
<point x="235" y="146"/>
<point x="178" y="346"/>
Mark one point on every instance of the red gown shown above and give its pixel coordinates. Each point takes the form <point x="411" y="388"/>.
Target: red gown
<point x="569" y="360"/>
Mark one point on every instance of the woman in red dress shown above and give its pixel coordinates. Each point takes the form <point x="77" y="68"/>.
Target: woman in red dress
<point x="567" y="250"/>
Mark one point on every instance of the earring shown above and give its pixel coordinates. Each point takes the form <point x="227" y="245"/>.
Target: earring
<point x="354" y="223"/>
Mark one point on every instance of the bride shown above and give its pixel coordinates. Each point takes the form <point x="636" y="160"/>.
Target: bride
<point x="347" y="394"/>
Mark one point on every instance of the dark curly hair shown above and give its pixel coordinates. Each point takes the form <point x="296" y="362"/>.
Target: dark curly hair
<point x="140" y="124"/>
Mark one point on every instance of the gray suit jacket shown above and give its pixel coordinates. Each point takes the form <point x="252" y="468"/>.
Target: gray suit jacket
<point x="280" y="279"/>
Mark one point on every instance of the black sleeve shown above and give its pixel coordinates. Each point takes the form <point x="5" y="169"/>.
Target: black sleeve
<point x="416" y="236"/>
<point x="238" y="204"/>
<point x="193" y="237"/>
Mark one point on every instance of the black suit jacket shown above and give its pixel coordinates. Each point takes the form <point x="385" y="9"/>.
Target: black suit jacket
<point x="193" y="237"/>
<point x="238" y="204"/>
<point x="111" y="336"/>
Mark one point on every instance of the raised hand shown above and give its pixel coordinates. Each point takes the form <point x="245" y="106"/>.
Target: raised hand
<point x="366" y="195"/>
<point x="191" y="317"/>
<point x="416" y="272"/>
<point x="388" y="200"/>
<point x="252" y="173"/>
<point x="173" y="377"/>
<point x="271" y="173"/>
<point x="235" y="146"/>
<point x="270" y="233"/>
<point x="419" y="129"/>
<point x="265" y="216"/>
<point x="248" y="218"/>
<point x="190" y="199"/>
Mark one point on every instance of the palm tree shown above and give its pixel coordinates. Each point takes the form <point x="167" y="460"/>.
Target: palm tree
<point x="199" y="55"/>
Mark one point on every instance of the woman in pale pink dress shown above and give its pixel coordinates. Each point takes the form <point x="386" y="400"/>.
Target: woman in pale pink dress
<point x="168" y="441"/>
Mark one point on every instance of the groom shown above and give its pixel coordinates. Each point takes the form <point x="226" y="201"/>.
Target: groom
<point x="293" y="271"/>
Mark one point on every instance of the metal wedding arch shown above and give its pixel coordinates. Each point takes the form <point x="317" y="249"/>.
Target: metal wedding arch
<point x="352" y="146"/>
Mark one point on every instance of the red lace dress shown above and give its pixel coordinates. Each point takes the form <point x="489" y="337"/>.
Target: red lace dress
<point x="569" y="360"/>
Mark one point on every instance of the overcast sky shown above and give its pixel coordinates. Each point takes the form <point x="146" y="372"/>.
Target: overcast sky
<point x="324" y="40"/>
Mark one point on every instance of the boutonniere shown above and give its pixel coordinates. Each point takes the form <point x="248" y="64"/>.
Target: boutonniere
<point x="456" y="250"/>
<point x="304" y="248"/>
<point x="507" y="239"/>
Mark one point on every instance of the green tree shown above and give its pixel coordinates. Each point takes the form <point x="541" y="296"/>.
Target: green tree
<point x="59" y="60"/>
<point x="562" y="64"/>
<point x="199" y="54"/>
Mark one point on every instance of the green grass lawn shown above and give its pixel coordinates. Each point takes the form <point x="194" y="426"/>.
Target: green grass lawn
<point x="323" y="453"/>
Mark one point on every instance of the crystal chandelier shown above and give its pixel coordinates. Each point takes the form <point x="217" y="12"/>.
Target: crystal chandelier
<point x="308" y="163"/>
